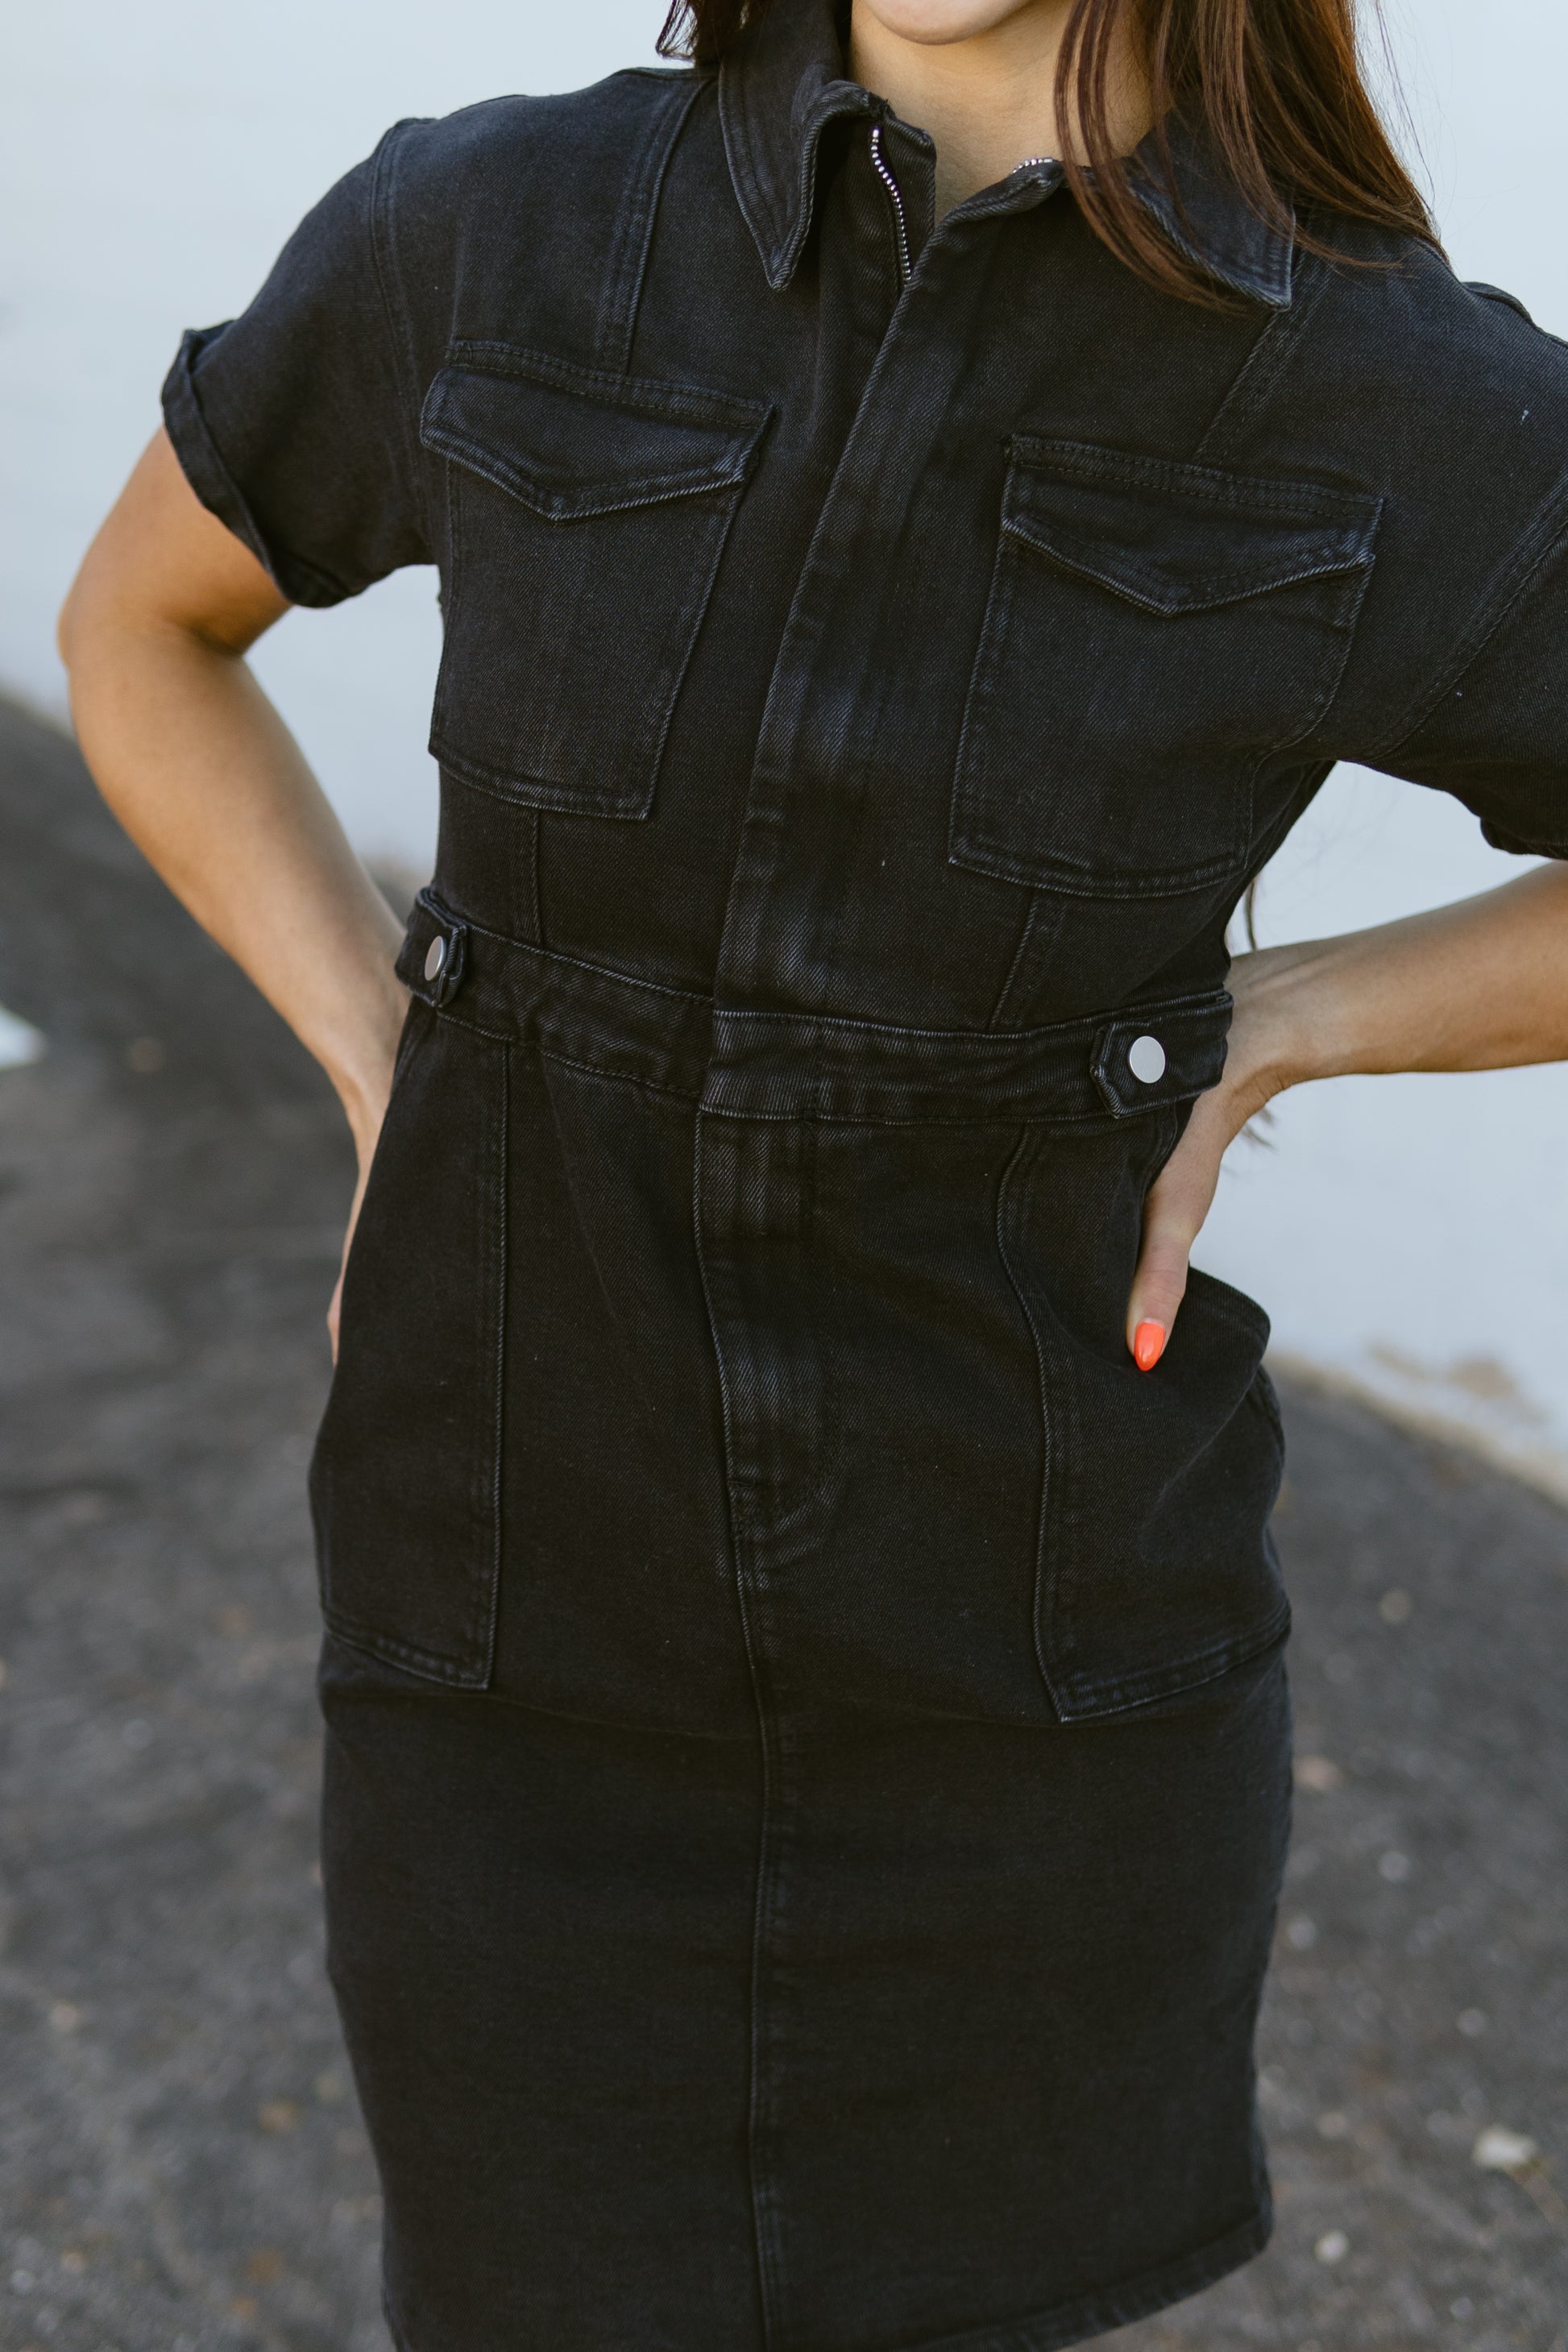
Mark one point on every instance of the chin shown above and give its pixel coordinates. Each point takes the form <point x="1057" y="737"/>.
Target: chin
<point x="936" y="21"/>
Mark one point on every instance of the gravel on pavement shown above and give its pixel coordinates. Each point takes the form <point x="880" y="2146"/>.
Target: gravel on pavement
<point x="182" y="2165"/>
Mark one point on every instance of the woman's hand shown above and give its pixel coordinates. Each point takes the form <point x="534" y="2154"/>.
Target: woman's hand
<point x="1260" y="1060"/>
<point x="1482" y="985"/>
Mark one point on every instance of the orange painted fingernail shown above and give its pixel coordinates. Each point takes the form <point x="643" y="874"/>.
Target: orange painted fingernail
<point x="1148" y="1345"/>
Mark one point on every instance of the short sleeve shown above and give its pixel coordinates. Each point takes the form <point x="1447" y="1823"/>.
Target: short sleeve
<point x="295" y="423"/>
<point x="1496" y="737"/>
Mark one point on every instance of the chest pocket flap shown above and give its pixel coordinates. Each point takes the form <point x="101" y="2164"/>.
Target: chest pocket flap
<point x="1156" y="631"/>
<point x="1179" y="539"/>
<point x="588" y="515"/>
<point x="571" y="442"/>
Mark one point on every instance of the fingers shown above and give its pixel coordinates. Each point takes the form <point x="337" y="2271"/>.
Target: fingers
<point x="1256" y="1067"/>
<point x="1174" y="1215"/>
<point x="1158" y="1288"/>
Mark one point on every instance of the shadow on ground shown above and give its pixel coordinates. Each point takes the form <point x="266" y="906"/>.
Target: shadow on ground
<point x="183" y="2168"/>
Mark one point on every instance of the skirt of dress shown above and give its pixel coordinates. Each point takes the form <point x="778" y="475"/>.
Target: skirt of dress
<point x="997" y="2092"/>
<point x="806" y="1766"/>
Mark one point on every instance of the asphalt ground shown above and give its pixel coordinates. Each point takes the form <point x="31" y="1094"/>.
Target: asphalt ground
<point x="182" y="2165"/>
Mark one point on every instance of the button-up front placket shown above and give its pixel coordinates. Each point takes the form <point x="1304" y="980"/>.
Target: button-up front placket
<point x="807" y="1267"/>
<point x="849" y="791"/>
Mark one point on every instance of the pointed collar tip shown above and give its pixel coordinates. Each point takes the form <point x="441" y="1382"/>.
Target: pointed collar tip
<point x="784" y="82"/>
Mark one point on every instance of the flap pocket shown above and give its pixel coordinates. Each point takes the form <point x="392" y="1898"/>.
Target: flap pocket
<point x="1156" y="632"/>
<point x="1174" y="538"/>
<point x="571" y="442"/>
<point x="587" y="516"/>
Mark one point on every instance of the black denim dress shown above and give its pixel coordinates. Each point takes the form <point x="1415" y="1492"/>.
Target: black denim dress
<point x="807" y="1758"/>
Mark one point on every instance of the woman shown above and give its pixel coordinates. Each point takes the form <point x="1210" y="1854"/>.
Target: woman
<point x="808" y="1740"/>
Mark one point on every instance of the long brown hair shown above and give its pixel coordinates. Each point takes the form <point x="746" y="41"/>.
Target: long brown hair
<point x="1279" y="87"/>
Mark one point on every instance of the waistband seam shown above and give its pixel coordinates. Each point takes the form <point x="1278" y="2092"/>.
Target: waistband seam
<point x="1008" y="1118"/>
<point x="778" y="1064"/>
<point x="698" y="1002"/>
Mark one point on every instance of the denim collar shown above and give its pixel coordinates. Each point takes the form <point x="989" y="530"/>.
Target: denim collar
<point x="784" y="82"/>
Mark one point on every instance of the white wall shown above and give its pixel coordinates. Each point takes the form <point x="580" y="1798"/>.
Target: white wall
<point x="1405" y="1234"/>
<point x="153" y="157"/>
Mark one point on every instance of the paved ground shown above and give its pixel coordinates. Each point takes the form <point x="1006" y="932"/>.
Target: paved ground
<point x="182" y="2169"/>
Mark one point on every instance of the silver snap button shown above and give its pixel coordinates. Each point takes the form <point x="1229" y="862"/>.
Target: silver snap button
<point x="436" y="959"/>
<point x="1146" y="1060"/>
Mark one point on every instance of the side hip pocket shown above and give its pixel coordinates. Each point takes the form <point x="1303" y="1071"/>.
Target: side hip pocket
<point x="405" y="1480"/>
<point x="1155" y="1569"/>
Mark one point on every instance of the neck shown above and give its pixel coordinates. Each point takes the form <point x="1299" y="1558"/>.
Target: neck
<point x="987" y="97"/>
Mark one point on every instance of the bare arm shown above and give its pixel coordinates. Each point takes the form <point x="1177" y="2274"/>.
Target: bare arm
<point x="1482" y="985"/>
<point x="204" y="775"/>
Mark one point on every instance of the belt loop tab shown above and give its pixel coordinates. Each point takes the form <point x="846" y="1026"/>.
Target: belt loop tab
<point x="433" y="952"/>
<point x="1166" y="1053"/>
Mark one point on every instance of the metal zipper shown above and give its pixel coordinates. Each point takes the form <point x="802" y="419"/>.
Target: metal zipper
<point x="1033" y="163"/>
<point x="883" y="170"/>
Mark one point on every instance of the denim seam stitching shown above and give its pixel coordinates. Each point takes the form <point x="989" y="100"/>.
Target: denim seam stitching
<point x="1042" y="1600"/>
<point x="685" y="630"/>
<point x="1139" y="2298"/>
<point x="1358" y="578"/>
<point x="968" y="846"/>
<point x="536" y="888"/>
<point x="763" y="2247"/>
<point x="1195" y="999"/>
<point x="1050" y="870"/>
<point x="636" y="217"/>
<point x="1097" y="466"/>
<point x="657" y="397"/>
<point x="1108" y="1694"/>
<point x="1215" y="599"/>
<point x="500" y="1246"/>
<point x="637" y="490"/>
<point x="445" y="917"/>
<point x="382" y="253"/>
<point x="1544" y="539"/>
<point x="433" y="1665"/>
<point x="1253" y="386"/>
<point x="615" y="1077"/>
<point x="1117" y="2307"/>
<point x="1001" y="1113"/>
<point x="691" y="631"/>
<point x="1032" y="918"/>
<point x="564" y="1061"/>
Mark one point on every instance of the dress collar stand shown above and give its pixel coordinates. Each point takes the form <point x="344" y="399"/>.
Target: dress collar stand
<point x="784" y="82"/>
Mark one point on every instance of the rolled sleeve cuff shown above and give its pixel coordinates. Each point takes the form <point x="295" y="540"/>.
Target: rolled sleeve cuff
<point x="202" y="463"/>
<point x="1500" y="839"/>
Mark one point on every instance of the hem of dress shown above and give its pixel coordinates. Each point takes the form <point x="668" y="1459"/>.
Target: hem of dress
<point x="1069" y="2323"/>
<point x="1114" y="2306"/>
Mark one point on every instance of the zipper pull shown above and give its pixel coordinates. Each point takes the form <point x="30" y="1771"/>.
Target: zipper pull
<point x="884" y="172"/>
